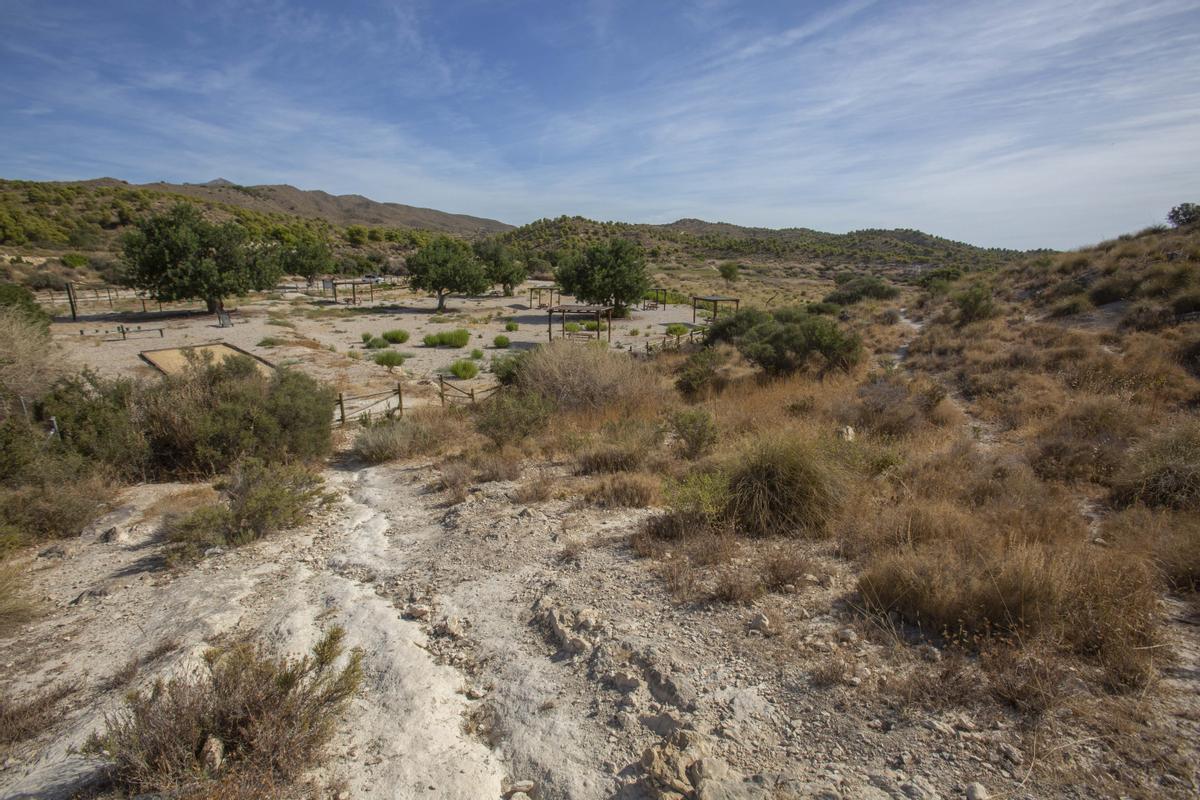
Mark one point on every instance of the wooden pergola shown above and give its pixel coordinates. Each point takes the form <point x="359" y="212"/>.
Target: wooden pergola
<point x="658" y="298"/>
<point x="716" y="300"/>
<point x="580" y="310"/>
<point x="539" y="289"/>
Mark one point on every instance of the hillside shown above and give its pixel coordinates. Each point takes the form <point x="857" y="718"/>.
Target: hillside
<point x="692" y="239"/>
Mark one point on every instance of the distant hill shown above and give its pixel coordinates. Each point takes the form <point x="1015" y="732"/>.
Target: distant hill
<point x="694" y="238"/>
<point x="344" y="209"/>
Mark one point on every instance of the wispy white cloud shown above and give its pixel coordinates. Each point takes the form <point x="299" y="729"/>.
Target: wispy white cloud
<point x="1029" y="123"/>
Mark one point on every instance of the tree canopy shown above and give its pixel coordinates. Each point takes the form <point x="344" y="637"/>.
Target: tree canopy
<point x="179" y="255"/>
<point x="609" y="273"/>
<point x="444" y="266"/>
<point x="500" y="264"/>
<point x="1184" y="214"/>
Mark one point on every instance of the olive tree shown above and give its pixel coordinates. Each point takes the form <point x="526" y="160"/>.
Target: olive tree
<point x="444" y="266"/>
<point x="179" y="255"/>
<point x="608" y="273"/>
<point x="500" y="265"/>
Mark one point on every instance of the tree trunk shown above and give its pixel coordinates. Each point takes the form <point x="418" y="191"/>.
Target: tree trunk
<point x="215" y="304"/>
<point x="441" y="302"/>
<point x="508" y="290"/>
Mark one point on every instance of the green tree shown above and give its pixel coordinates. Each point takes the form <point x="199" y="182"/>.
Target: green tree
<point x="500" y="264"/>
<point x="1184" y="214"/>
<point x="308" y="256"/>
<point x="179" y="255"/>
<point x="608" y="273"/>
<point x="446" y="265"/>
<point x="356" y="235"/>
<point x="729" y="271"/>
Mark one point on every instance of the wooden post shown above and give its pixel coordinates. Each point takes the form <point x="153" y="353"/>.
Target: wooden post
<point x="610" y="326"/>
<point x="353" y="293"/>
<point x="371" y="289"/>
<point x="442" y="390"/>
<point x="334" y="283"/>
<point x="472" y="395"/>
<point x="400" y="398"/>
<point x="71" y="300"/>
<point x="693" y="311"/>
<point x="109" y="292"/>
<point x="549" y="321"/>
<point x="342" y="408"/>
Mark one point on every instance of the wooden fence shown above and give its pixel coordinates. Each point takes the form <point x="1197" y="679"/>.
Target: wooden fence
<point x="449" y="393"/>
<point x="694" y="336"/>
<point x="365" y="406"/>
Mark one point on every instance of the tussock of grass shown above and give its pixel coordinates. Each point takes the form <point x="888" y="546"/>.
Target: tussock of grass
<point x="628" y="490"/>
<point x="25" y="717"/>
<point x="574" y="376"/>
<point x="272" y="717"/>
<point x="783" y="486"/>
<point x="421" y="432"/>
<point x="1164" y="471"/>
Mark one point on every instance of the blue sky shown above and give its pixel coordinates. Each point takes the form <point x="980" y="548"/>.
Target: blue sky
<point x="1016" y="123"/>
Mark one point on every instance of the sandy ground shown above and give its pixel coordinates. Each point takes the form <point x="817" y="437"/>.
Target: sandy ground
<point x="325" y="339"/>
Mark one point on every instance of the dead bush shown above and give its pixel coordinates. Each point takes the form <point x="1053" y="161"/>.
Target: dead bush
<point x="421" y="432"/>
<point x="623" y="490"/>
<point x="455" y="478"/>
<point x="15" y="608"/>
<point x="783" y="486"/>
<point x="29" y="366"/>
<point x="503" y="465"/>
<point x="271" y="718"/>
<point x="622" y="446"/>
<point x="695" y="430"/>
<point x="1163" y="471"/>
<point x="574" y="376"/>
<point x="738" y="585"/>
<point x="30" y="714"/>
<point x="781" y="569"/>
<point x="538" y="489"/>
<point x="1169" y="539"/>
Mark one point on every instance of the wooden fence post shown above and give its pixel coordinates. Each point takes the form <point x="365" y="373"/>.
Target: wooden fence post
<point x="342" y="407"/>
<point x="400" y="397"/>
<point x="442" y="390"/>
<point x="472" y="395"/>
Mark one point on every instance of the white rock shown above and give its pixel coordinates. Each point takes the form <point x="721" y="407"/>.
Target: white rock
<point x="977" y="791"/>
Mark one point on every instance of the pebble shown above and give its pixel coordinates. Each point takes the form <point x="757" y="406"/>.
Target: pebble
<point x="977" y="791"/>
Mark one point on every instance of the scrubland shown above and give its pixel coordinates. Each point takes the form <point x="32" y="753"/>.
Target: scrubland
<point x="992" y="477"/>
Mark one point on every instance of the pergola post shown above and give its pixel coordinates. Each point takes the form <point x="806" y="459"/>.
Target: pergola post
<point x="549" y="319"/>
<point x="609" y="326"/>
<point x="694" y="301"/>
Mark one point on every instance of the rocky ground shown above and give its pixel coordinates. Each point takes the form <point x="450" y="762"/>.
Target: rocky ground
<point x="514" y="647"/>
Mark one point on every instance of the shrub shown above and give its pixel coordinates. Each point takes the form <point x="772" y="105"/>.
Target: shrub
<point x="889" y="405"/>
<point x="398" y="336"/>
<point x="1121" y="286"/>
<point x="783" y="487"/>
<point x="622" y="446"/>
<point x="1070" y="306"/>
<point x="784" y="347"/>
<point x="271" y="717"/>
<point x="571" y="376"/>
<point x="1163" y="471"/>
<point x="477" y="354"/>
<point x="378" y="343"/>
<point x="31" y="714"/>
<point x="1170" y="539"/>
<point x="97" y="418"/>
<point x="455" y="338"/>
<point x="366" y="337"/>
<point x="464" y="369"/>
<point x="511" y="326"/>
<point x="595" y="326"/>
<point x="860" y="288"/>
<point x="697" y="376"/>
<point x="260" y="500"/>
<point x="1184" y="214"/>
<point x="735" y="326"/>
<point x="507" y="367"/>
<point x="501" y="342"/>
<point x="572" y="327"/>
<point x="1085" y="442"/>
<point x="29" y="365"/>
<point x="75" y="260"/>
<point x="422" y="432"/>
<point x="696" y="430"/>
<point x="975" y="304"/>
<point x="1187" y="303"/>
<point x="390" y="359"/>
<point x="828" y="309"/>
<point x="19" y="299"/>
<point x="677" y="329"/>
<point x="201" y="421"/>
<point x="508" y="417"/>
<point x="271" y="341"/>
<point x="14" y="607"/>
<point x="1146" y="316"/>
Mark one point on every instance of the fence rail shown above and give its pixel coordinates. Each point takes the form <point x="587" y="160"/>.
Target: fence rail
<point x="449" y="393"/>
<point x="365" y="406"/>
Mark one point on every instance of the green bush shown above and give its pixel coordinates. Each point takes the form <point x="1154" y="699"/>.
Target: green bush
<point x="572" y="327"/>
<point x="506" y="367"/>
<point x="501" y="342"/>
<point x="696" y="430"/>
<point x="455" y="338"/>
<point x="271" y="341"/>
<point x="378" y="343"/>
<point x="476" y="354"/>
<point x="273" y="718"/>
<point x="800" y="342"/>
<point x="698" y="374"/>
<point x="860" y="288"/>
<point x="677" y="329"/>
<point x="202" y="421"/>
<point x="509" y="417"/>
<point x="398" y="336"/>
<point x="20" y="298"/>
<point x="422" y="432"/>
<point x="260" y="499"/>
<point x="390" y="359"/>
<point x="975" y="304"/>
<point x="511" y="326"/>
<point x="75" y="260"/>
<point x="828" y="309"/>
<point x="464" y="369"/>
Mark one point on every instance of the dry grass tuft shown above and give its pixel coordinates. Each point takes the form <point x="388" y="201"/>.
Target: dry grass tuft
<point x="574" y="376"/>
<point x="1164" y="471"/>
<point x="28" y="716"/>
<point x="783" y="486"/>
<point x="636" y="490"/>
<point x="421" y="432"/>
<point x="15" y="608"/>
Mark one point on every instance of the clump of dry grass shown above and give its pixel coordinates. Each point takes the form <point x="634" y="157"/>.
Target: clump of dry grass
<point x="628" y="490"/>
<point x="1170" y="539"/>
<point x="498" y="465"/>
<point x="421" y="432"/>
<point x="1086" y="442"/>
<point x="783" y="486"/>
<point x="271" y="717"/>
<point x="1164" y="470"/>
<point x="538" y="489"/>
<point x="620" y="447"/>
<point x="573" y="376"/>
<point x="27" y="716"/>
<point x="455" y="477"/>
<point x="15" y="608"/>
<point x="28" y="367"/>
